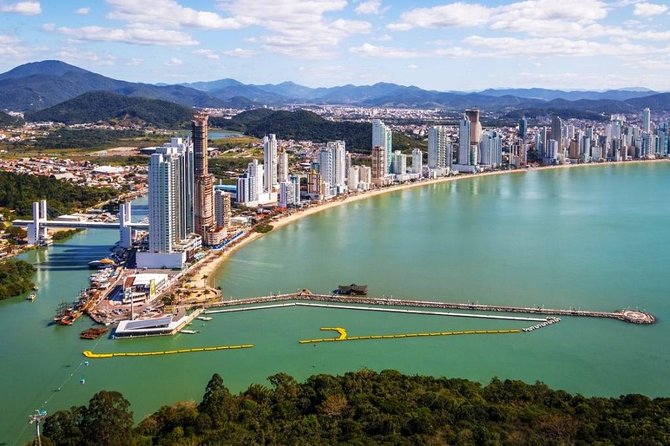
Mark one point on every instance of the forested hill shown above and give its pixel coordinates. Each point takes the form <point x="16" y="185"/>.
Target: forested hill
<point x="105" y="106"/>
<point x="18" y="191"/>
<point x="9" y="120"/>
<point x="365" y="408"/>
<point x="303" y="125"/>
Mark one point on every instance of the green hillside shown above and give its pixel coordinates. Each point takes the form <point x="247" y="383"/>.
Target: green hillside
<point x="304" y="125"/>
<point x="104" y="106"/>
<point x="9" y="120"/>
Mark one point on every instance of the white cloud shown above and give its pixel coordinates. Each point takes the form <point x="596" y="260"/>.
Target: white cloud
<point x="25" y="8"/>
<point x="209" y="54"/>
<point x="369" y="50"/>
<point x="75" y="55"/>
<point x="533" y="16"/>
<point x="297" y="28"/>
<point x="174" y="62"/>
<point x="648" y="9"/>
<point x="168" y="13"/>
<point x="444" y="16"/>
<point x="369" y="7"/>
<point x="135" y="61"/>
<point x="552" y="46"/>
<point x="412" y="66"/>
<point x="240" y="52"/>
<point x="134" y="35"/>
<point x="83" y="11"/>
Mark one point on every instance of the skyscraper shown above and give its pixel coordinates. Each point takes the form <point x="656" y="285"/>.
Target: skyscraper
<point x="464" y="141"/>
<point x="282" y="168"/>
<point x="523" y="128"/>
<point x="222" y="210"/>
<point x="646" y="120"/>
<point x="203" y="208"/>
<point x="163" y="197"/>
<point x="475" y="126"/>
<point x="270" y="162"/>
<point x="378" y="165"/>
<point x="417" y="161"/>
<point x="438" y="155"/>
<point x="382" y="136"/>
<point x="557" y="132"/>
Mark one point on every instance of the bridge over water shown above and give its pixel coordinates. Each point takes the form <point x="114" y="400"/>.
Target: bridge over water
<point x="37" y="227"/>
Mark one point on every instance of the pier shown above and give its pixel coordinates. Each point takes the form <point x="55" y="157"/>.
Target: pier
<point x="631" y="316"/>
<point x="92" y="355"/>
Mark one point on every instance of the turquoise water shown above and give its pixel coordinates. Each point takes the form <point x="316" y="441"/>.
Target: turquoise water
<point x="589" y="237"/>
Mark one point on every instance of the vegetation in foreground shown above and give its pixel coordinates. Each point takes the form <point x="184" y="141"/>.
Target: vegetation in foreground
<point x="366" y="407"/>
<point x="18" y="191"/>
<point x="15" y="278"/>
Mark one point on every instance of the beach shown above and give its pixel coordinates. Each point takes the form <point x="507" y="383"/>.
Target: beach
<point x="208" y="267"/>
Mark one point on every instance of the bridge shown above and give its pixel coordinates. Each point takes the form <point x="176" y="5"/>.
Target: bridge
<point x="37" y="227"/>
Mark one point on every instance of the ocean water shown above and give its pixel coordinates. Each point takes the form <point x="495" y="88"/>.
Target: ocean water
<point x="593" y="238"/>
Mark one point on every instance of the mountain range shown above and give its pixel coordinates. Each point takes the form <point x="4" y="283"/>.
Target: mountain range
<point x="40" y="85"/>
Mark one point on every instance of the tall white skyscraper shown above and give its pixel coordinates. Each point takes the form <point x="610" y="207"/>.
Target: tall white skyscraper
<point x="437" y="148"/>
<point x="646" y="120"/>
<point x="327" y="166"/>
<point x="382" y="136"/>
<point x="283" y="167"/>
<point x="222" y="210"/>
<point x="464" y="141"/>
<point x="417" y="161"/>
<point x="255" y="175"/>
<point x="163" y="197"/>
<point x="491" y="149"/>
<point x="399" y="163"/>
<point x="353" y="178"/>
<point x="270" y="162"/>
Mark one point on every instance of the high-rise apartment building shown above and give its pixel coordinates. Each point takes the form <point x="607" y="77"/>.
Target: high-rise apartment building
<point x="439" y="149"/>
<point x="557" y="131"/>
<point x="646" y="120"/>
<point x="523" y="128"/>
<point x="382" y="136"/>
<point x="222" y="209"/>
<point x="270" y="162"/>
<point x="378" y="165"/>
<point x="203" y="208"/>
<point x="464" y="132"/>
<point x="282" y="169"/>
<point x="417" y="161"/>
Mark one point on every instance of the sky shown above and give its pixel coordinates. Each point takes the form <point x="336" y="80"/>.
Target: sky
<point x="439" y="45"/>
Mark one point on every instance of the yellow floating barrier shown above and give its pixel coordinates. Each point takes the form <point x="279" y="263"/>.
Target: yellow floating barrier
<point x="90" y="354"/>
<point x="343" y="336"/>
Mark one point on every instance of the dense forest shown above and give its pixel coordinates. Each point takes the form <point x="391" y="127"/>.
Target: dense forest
<point x="18" y="191"/>
<point x="304" y="125"/>
<point x="367" y="407"/>
<point x="15" y="278"/>
<point x="105" y="106"/>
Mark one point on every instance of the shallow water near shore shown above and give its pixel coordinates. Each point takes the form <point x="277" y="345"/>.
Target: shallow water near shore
<point x="593" y="238"/>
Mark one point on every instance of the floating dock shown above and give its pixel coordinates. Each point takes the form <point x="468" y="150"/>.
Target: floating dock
<point x="344" y="336"/>
<point x="632" y="316"/>
<point x="90" y="354"/>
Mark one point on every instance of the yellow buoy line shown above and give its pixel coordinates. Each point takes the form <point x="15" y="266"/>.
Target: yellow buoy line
<point x="343" y="335"/>
<point x="90" y="354"/>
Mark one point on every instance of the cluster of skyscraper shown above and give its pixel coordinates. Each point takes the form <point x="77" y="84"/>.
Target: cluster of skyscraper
<point x="184" y="210"/>
<point x="615" y="141"/>
<point x="475" y="148"/>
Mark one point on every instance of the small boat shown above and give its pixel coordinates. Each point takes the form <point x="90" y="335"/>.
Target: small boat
<point x="32" y="296"/>
<point x="188" y="331"/>
<point x="204" y="318"/>
<point x="102" y="263"/>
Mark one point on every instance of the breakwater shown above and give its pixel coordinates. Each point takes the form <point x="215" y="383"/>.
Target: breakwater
<point x="632" y="316"/>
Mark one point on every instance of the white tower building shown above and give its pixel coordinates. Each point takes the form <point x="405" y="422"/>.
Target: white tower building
<point x="270" y="162"/>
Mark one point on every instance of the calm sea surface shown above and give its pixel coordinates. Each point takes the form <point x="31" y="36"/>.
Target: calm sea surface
<point x="595" y="238"/>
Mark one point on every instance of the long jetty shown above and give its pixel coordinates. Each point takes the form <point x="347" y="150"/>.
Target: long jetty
<point x="632" y="316"/>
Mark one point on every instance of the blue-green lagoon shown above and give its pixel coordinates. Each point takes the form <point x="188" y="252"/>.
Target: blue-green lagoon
<point x="593" y="237"/>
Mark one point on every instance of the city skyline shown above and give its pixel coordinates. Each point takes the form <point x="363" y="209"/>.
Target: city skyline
<point x="437" y="45"/>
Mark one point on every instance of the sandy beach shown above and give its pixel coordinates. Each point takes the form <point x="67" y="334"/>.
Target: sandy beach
<point x="214" y="261"/>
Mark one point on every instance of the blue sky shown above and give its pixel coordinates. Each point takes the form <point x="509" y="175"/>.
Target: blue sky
<point x="465" y="45"/>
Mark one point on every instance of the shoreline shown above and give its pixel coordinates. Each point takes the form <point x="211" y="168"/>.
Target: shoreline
<point x="218" y="260"/>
